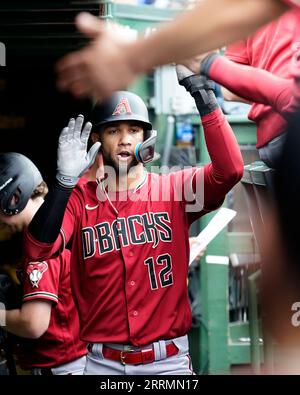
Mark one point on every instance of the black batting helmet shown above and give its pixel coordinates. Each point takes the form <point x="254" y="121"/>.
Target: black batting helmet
<point x="18" y="178"/>
<point x="121" y="106"/>
<point x="127" y="106"/>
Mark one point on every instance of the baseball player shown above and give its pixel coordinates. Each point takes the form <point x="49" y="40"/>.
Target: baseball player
<point x="210" y="25"/>
<point x="260" y="72"/>
<point x="47" y="317"/>
<point x="269" y="84"/>
<point x="130" y="247"/>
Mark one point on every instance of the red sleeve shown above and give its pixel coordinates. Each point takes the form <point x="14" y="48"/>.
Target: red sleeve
<point x="255" y="85"/>
<point x="190" y="185"/>
<point x="237" y="52"/>
<point x="41" y="279"/>
<point x="36" y="250"/>
<point x="226" y="167"/>
<point x="205" y="188"/>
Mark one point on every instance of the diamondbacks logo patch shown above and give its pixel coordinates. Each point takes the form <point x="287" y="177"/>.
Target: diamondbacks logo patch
<point x="35" y="271"/>
<point x="123" y="107"/>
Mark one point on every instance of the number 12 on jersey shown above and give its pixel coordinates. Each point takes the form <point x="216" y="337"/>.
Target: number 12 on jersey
<point x="165" y="276"/>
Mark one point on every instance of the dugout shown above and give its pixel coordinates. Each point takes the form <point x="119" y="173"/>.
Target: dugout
<point x="33" y="112"/>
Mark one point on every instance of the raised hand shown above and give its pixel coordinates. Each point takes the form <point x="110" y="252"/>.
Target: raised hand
<point x="72" y="156"/>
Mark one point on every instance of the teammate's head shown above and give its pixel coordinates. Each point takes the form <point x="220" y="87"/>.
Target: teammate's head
<point x="21" y="186"/>
<point x="123" y="127"/>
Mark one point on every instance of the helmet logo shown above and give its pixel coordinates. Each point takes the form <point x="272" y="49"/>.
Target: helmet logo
<point x="123" y="107"/>
<point x="35" y="272"/>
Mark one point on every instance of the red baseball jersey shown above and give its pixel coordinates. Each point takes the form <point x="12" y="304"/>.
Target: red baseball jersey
<point x="50" y="280"/>
<point x="130" y="252"/>
<point x="270" y="48"/>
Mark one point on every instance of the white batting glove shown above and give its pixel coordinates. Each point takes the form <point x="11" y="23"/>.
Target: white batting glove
<point x="72" y="157"/>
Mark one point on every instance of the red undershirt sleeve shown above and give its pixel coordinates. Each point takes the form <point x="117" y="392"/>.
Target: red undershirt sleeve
<point x="212" y="182"/>
<point x="255" y="85"/>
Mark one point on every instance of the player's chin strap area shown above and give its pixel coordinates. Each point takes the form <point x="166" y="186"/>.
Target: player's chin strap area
<point x="145" y="151"/>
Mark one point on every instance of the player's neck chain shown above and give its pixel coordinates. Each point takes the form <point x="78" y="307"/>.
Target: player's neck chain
<point x="130" y="191"/>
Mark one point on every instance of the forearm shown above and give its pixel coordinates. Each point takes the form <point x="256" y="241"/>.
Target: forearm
<point x="19" y="323"/>
<point x="283" y="95"/>
<point x="226" y="167"/>
<point x="253" y="84"/>
<point x="31" y="320"/>
<point x="16" y="323"/>
<point x="44" y="237"/>
<point x="45" y="225"/>
<point x="229" y="96"/>
<point x="197" y="31"/>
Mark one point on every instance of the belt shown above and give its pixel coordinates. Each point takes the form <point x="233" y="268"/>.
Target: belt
<point x="143" y="356"/>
